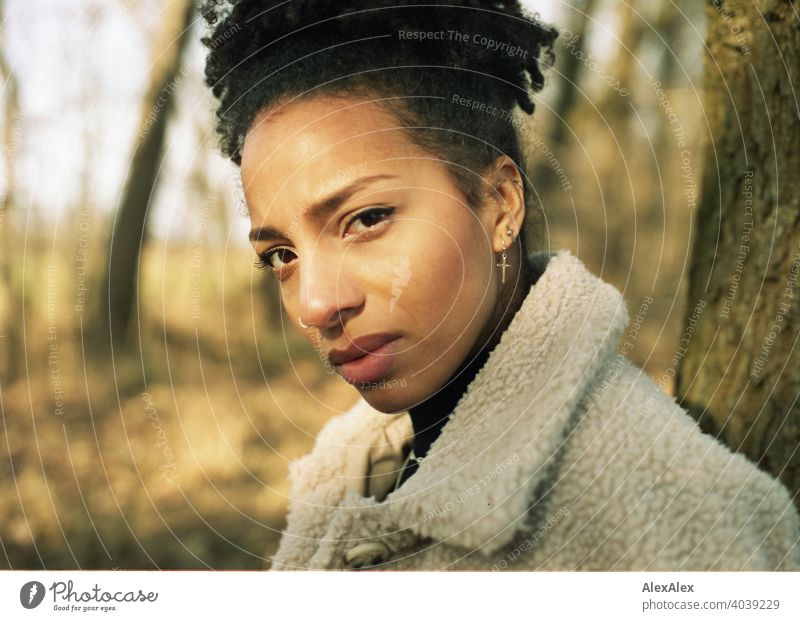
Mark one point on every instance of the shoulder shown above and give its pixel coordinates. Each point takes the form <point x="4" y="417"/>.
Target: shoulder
<point x="684" y="497"/>
<point x="661" y="436"/>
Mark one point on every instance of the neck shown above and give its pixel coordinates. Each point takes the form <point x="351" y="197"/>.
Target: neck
<point x="430" y="416"/>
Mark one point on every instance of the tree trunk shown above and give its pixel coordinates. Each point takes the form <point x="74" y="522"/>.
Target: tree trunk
<point x="570" y="69"/>
<point x="624" y="67"/>
<point x="740" y="369"/>
<point x="130" y="225"/>
<point x="10" y="294"/>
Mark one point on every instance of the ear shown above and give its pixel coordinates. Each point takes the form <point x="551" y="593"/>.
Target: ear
<point x="507" y="197"/>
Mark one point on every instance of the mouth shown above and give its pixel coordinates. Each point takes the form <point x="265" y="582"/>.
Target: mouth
<point x="371" y="366"/>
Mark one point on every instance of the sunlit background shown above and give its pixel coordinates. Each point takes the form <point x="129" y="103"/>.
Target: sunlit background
<point x="171" y="450"/>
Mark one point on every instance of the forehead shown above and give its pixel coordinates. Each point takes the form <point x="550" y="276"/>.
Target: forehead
<point x="325" y="138"/>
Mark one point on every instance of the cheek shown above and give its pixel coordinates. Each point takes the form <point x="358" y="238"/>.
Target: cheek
<point x="448" y="274"/>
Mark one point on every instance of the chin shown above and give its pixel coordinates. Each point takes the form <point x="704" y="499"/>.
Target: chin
<point x="389" y="396"/>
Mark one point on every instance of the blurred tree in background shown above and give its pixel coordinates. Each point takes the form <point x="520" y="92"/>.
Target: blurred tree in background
<point x="130" y="231"/>
<point x="11" y="307"/>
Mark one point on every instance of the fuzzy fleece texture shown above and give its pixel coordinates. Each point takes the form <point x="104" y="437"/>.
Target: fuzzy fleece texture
<point x="561" y="455"/>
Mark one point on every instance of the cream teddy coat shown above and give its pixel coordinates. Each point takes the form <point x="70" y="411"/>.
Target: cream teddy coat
<point x="561" y="455"/>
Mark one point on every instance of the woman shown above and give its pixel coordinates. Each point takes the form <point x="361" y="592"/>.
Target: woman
<point x="497" y="428"/>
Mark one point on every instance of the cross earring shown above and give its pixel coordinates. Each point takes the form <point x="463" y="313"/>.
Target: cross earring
<point x="504" y="264"/>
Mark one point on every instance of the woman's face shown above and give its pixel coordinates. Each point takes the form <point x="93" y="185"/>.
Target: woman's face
<point x="369" y="236"/>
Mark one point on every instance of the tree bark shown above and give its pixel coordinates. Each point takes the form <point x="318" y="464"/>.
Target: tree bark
<point x="739" y="374"/>
<point x="130" y="225"/>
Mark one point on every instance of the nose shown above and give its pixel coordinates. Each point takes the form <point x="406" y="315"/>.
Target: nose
<point x="328" y="288"/>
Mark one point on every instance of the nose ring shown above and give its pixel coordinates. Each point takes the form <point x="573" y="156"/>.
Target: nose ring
<point x="303" y="323"/>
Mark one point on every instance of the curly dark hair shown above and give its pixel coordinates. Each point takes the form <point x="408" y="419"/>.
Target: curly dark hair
<point x="451" y="72"/>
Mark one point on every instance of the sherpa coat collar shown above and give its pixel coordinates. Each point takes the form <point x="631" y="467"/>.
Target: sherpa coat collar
<point x="491" y="457"/>
<point x="488" y="467"/>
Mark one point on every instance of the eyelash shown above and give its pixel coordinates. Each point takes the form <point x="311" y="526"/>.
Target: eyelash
<point x="263" y="260"/>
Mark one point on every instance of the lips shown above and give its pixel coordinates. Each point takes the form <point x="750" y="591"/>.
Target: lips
<point x="360" y="346"/>
<point x="367" y="360"/>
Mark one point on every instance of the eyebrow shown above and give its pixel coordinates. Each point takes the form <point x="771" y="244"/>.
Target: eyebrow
<point x="318" y="210"/>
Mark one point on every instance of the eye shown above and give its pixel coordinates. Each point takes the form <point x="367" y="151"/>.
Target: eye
<point x="370" y="218"/>
<point x="265" y="260"/>
<point x="277" y="259"/>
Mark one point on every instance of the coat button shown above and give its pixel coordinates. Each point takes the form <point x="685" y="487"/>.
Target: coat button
<point x="366" y="554"/>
